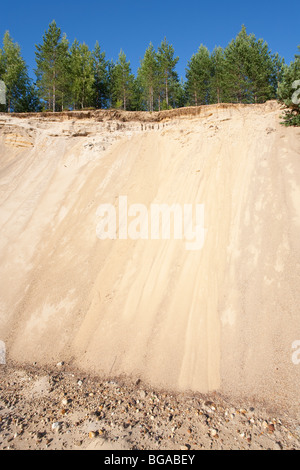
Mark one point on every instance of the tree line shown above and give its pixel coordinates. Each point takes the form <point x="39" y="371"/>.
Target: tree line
<point x="72" y="76"/>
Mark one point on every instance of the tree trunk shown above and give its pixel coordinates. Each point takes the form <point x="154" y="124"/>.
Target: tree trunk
<point x="54" y="97"/>
<point x="151" y="98"/>
<point x="167" y="92"/>
<point x="124" y="100"/>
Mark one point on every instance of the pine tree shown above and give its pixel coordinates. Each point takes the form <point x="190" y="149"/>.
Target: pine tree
<point x="250" y="70"/>
<point x="101" y="79"/>
<point x="237" y="58"/>
<point x="64" y="77"/>
<point x="110" y="83"/>
<point x="2" y="63"/>
<point x="180" y="94"/>
<point x="278" y="64"/>
<point x="83" y="80"/>
<point x="168" y="77"/>
<point x="260" y="71"/>
<point x="289" y="92"/>
<point x="148" y="76"/>
<point x="137" y="101"/>
<point x="218" y="82"/>
<point x="123" y="81"/>
<point x="29" y="101"/>
<point x="198" y="77"/>
<point x="51" y="63"/>
<point x="14" y="73"/>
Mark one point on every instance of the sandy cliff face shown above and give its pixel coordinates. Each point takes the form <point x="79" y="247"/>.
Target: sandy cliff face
<point x="221" y="318"/>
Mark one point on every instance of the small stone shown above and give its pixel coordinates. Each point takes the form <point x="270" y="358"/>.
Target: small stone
<point x="92" y="435"/>
<point x="185" y="447"/>
<point x="56" y="427"/>
<point x="271" y="428"/>
<point x="277" y="446"/>
<point x="214" y="433"/>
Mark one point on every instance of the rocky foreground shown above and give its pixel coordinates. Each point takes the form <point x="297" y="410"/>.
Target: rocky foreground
<point x="64" y="410"/>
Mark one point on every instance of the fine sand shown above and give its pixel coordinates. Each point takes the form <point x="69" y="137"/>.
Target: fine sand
<point x="223" y="318"/>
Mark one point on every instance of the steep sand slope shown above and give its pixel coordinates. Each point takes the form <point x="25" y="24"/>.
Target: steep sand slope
<point x="221" y="318"/>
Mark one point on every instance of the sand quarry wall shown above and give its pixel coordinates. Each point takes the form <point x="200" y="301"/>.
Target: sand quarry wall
<point x="225" y="317"/>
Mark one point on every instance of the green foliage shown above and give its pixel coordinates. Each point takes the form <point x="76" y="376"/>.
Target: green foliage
<point x="250" y="70"/>
<point x="83" y="78"/>
<point x="76" y="77"/>
<point x="53" y="72"/>
<point x="218" y="72"/>
<point x="13" y="71"/>
<point x="198" y="76"/>
<point x="101" y="78"/>
<point x="179" y="94"/>
<point x="167" y="75"/>
<point x="28" y="101"/>
<point x="158" y="79"/>
<point x="148" y="76"/>
<point x="122" y="82"/>
<point x="289" y="92"/>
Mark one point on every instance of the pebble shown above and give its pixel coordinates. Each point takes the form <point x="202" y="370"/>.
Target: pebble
<point x="144" y="418"/>
<point x="56" y="427"/>
<point x="214" y="433"/>
<point x="271" y="428"/>
<point x="186" y="447"/>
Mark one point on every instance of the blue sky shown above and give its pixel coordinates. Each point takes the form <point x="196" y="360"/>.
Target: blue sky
<point x="131" y="25"/>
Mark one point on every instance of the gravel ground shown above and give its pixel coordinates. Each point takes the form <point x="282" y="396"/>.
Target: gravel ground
<point x="63" y="409"/>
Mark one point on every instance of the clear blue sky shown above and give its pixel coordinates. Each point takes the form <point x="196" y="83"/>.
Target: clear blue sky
<point x="131" y="25"/>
